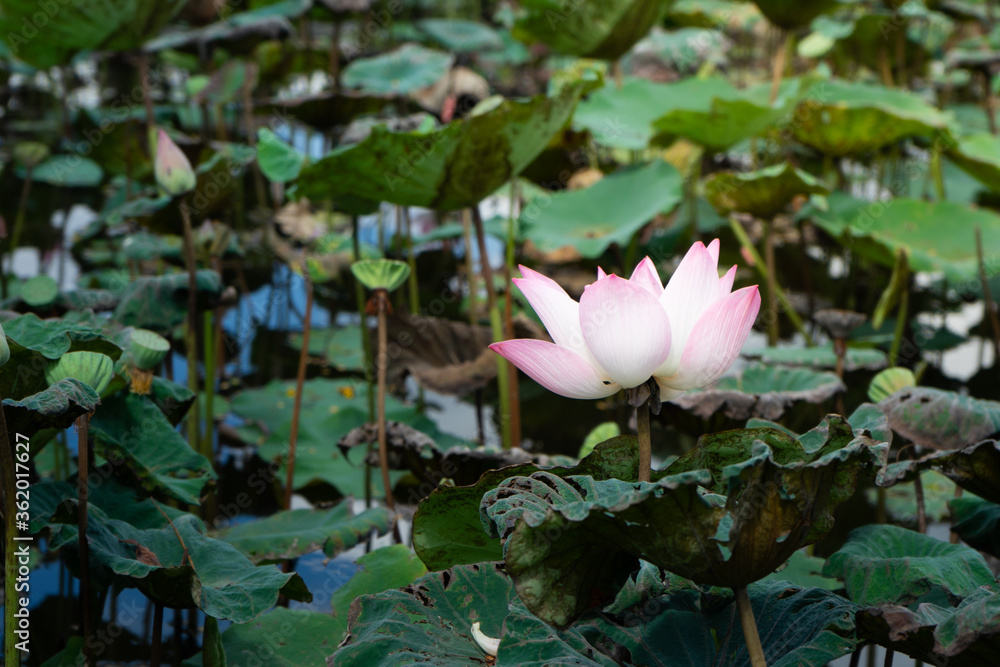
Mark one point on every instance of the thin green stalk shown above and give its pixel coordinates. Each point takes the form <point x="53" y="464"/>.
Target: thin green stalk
<point x="512" y="386"/>
<point x="381" y="298"/>
<point x="901" y="314"/>
<point x="470" y="270"/>
<point x="209" y="379"/>
<point x="773" y="332"/>
<point x="496" y="325"/>
<point x="749" y="623"/>
<point x="645" y="442"/>
<point x="293" y="437"/>
<point x="83" y="546"/>
<point x="366" y="346"/>
<point x="156" y="648"/>
<point x="761" y="267"/>
<point x="938" y="173"/>
<point x="191" y="328"/>
<point x="15" y="237"/>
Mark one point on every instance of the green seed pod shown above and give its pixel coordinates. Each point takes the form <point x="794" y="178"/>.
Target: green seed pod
<point x="4" y="348"/>
<point x="31" y="153"/>
<point x="148" y="349"/>
<point x="40" y="291"/>
<point x="889" y="381"/>
<point x="92" y="368"/>
<point x="387" y="274"/>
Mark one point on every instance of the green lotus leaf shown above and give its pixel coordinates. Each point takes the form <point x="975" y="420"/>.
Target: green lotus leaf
<point x="284" y="637"/>
<point x="240" y="32"/>
<point x="461" y="36"/>
<point x="294" y="533"/>
<point x="431" y="621"/>
<point x="763" y="193"/>
<point x="404" y="70"/>
<point x="762" y="391"/>
<point x="447" y="529"/>
<point x="47" y="36"/>
<point x="941" y="419"/>
<point x="886" y="564"/>
<point x="385" y="274"/>
<point x="4" y="348"/>
<point x="936" y="236"/>
<point x="208" y="574"/>
<point x="340" y="347"/>
<point x="714" y="113"/>
<point x="55" y="407"/>
<point x="443" y="168"/>
<point x="92" y="368"/>
<point x="966" y="635"/>
<point x="148" y="348"/>
<point x="66" y="171"/>
<point x="173" y="399"/>
<point x="842" y="118"/>
<point x="572" y="541"/>
<point x="279" y="161"/>
<point x="789" y="14"/>
<point x="611" y="211"/>
<point x="820" y="356"/>
<point x="977" y="522"/>
<point x="890" y="381"/>
<point x="604" y="29"/>
<point x="979" y="156"/>
<point x="130" y="430"/>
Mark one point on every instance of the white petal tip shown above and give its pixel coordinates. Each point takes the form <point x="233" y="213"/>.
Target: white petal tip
<point x="488" y="644"/>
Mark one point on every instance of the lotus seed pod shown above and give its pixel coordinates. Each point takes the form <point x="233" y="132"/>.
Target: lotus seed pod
<point x="4" y="348"/>
<point x="173" y="170"/>
<point x="31" y="153"/>
<point x="387" y="274"/>
<point x="889" y="381"/>
<point x="148" y="349"/>
<point x="91" y="368"/>
<point x="40" y="291"/>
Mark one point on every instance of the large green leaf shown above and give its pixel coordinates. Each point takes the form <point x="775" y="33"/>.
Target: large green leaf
<point x="203" y="573"/>
<point x="294" y="533"/>
<point x="968" y="635"/>
<point x="936" y="236"/>
<point x="977" y="522"/>
<point x="821" y="356"/>
<point x="459" y="35"/>
<point x="763" y="193"/>
<point x="444" y="168"/>
<point x="280" y="638"/>
<point x="975" y="468"/>
<point x="130" y="430"/>
<point x="430" y="622"/>
<point x="68" y="171"/>
<point x="979" y="156"/>
<point x="447" y="529"/>
<point x="714" y="113"/>
<point x="51" y="34"/>
<point x="604" y="29"/>
<point x="278" y="161"/>
<point x="405" y="70"/>
<point x="611" y="211"/>
<point x="761" y="390"/>
<point x="847" y="118"/>
<point x="886" y="564"/>
<point x="570" y="542"/>
<point x="56" y="407"/>
<point x="941" y="419"/>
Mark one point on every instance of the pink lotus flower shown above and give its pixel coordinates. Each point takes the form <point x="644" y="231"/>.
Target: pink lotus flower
<point x="173" y="170"/>
<point x="624" y="332"/>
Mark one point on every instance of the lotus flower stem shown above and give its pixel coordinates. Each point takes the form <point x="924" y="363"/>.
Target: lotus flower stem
<point x="470" y="270"/>
<point x="762" y="269"/>
<point x="156" y="648"/>
<point x="300" y="379"/>
<point x="10" y="531"/>
<point x="497" y="329"/>
<point x="83" y="491"/>
<point x="749" y="624"/>
<point x="508" y="320"/>
<point x="15" y="237"/>
<point x="645" y="442"/>
<point x="901" y="314"/>
<point x="778" y="63"/>
<point x="366" y="347"/>
<point x="889" y="656"/>
<point x="190" y="331"/>
<point x="773" y="333"/>
<point x="381" y="362"/>
<point x="208" y="439"/>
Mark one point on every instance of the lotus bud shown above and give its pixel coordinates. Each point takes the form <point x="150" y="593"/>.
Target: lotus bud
<point x="173" y="170"/>
<point x="376" y="274"/>
<point x="91" y="368"/>
<point x="4" y="348"/>
<point x="148" y="350"/>
<point x="40" y="291"/>
<point x="488" y="644"/>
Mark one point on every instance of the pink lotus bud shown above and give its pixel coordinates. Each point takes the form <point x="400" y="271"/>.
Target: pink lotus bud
<point x="174" y="174"/>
